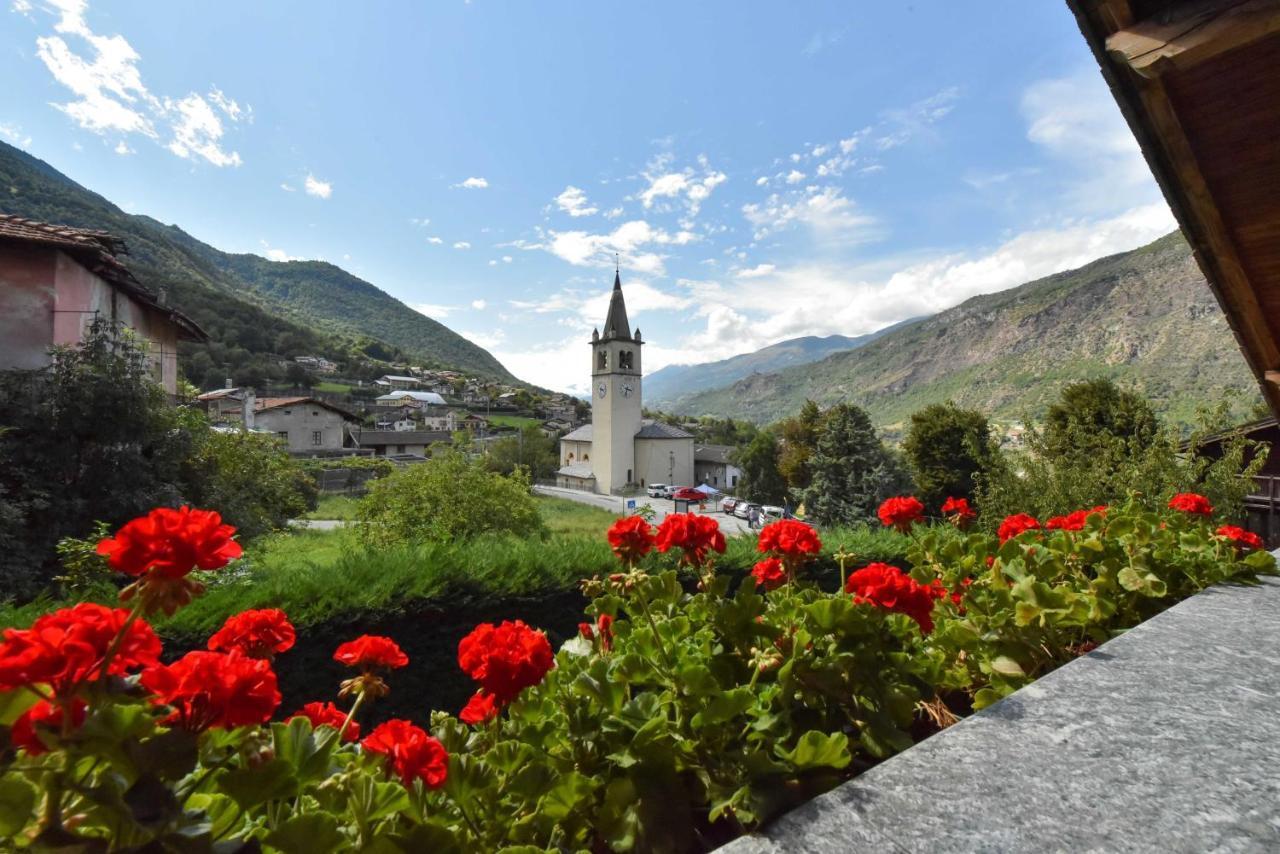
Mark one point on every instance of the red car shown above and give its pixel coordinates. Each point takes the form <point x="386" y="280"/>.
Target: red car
<point x="688" y="493"/>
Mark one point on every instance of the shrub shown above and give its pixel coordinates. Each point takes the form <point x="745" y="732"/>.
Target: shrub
<point x="449" y="497"/>
<point x="250" y="478"/>
<point x="676" y="721"/>
<point x="946" y="447"/>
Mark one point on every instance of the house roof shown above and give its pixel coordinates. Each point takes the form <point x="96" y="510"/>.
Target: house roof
<point x="648" y="430"/>
<point x="579" y="470"/>
<point x="399" y="379"/>
<point x="96" y="251"/>
<point x="1197" y="84"/>
<point x="264" y="403"/>
<point x="400" y="437"/>
<point x="615" y="322"/>
<point x="712" y="453"/>
<point x="218" y="393"/>
<point x="423" y="396"/>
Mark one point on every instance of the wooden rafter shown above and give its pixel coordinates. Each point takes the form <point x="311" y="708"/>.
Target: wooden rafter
<point x="1191" y="32"/>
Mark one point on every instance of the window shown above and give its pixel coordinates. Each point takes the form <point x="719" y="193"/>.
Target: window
<point x="735" y="480"/>
<point x="602" y="360"/>
<point x="317" y="437"/>
<point x="283" y="434"/>
<point x="399" y="449"/>
<point x="624" y="360"/>
<point x="628" y="475"/>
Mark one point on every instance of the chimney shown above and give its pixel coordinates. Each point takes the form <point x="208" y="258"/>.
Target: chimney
<point x="247" y="402"/>
<point x="228" y="383"/>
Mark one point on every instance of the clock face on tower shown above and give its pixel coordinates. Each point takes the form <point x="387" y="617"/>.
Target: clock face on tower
<point x="602" y="389"/>
<point x="626" y="390"/>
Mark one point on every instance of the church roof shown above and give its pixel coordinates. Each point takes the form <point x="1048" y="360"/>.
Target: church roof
<point x="580" y="470"/>
<point x="582" y="434"/>
<point x="615" y="322"/>
<point x="658" y="430"/>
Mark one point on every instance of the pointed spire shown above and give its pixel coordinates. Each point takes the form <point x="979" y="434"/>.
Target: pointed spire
<point x="615" y="322"/>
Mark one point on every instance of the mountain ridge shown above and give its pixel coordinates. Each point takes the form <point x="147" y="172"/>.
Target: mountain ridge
<point x="313" y="305"/>
<point x="1144" y="318"/>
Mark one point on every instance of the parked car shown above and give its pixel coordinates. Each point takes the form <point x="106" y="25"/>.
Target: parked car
<point x="657" y="490"/>
<point x="669" y="490"/>
<point x="688" y="493"/>
<point x="727" y="504"/>
<point x="743" y="509"/>
<point x="772" y="512"/>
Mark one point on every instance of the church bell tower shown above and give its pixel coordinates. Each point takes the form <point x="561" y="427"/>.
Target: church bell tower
<point x="615" y="397"/>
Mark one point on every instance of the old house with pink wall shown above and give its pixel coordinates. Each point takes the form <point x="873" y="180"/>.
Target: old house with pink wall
<point x="55" y="280"/>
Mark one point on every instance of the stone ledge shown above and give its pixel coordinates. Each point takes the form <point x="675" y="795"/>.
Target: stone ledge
<point x="1166" y="738"/>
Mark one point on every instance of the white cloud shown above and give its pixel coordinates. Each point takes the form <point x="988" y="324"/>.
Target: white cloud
<point x="613" y="213"/>
<point x="110" y="96"/>
<point x="288" y="188"/>
<point x="582" y="248"/>
<point x="315" y="187"/>
<point x="756" y="271"/>
<point x="478" y="304"/>
<point x="507" y="259"/>
<point x="14" y="134"/>
<point x="493" y="262"/>
<point x="273" y="254"/>
<point x="488" y="340"/>
<point x="762" y="181"/>
<point x="573" y="201"/>
<point x="820" y="41"/>
<point x="437" y="312"/>
<point x="123" y="148"/>
<point x="902" y="125"/>
<point x="825" y="210"/>
<point x="421" y="222"/>
<point x="665" y="183"/>
<point x="795" y="176"/>
<point x="472" y="184"/>
<point x="22" y="7"/>
<point x="462" y="244"/>
<point x="435" y="241"/>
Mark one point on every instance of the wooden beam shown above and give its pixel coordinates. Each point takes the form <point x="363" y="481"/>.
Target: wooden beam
<point x="1191" y="32"/>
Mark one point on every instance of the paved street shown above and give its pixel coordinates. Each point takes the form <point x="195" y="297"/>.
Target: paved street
<point x="661" y="506"/>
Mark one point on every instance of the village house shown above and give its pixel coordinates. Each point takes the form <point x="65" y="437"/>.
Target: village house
<point x="396" y="382"/>
<point x="398" y="443"/>
<point x="554" y="427"/>
<point x="319" y="364"/>
<point x="55" y="280"/>
<point x="472" y="422"/>
<point x="228" y="405"/>
<point x="310" y="427"/>
<point x="415" y="399"/>
<point x="711" y="466"/>
<point x="620" y="450"/>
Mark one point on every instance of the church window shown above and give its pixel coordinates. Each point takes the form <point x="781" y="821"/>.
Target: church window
<point x="586" y="458"/>
<point x="624" y="360"/>
<point x="602" y="360"/>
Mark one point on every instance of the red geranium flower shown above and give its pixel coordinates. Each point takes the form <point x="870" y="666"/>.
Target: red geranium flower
<point x="892" y="589"/>
<point x="371" y="651"/>
<point x="769" y="573"/>
<point x="45" y="716"/>
<point x="901" y="512"/>
<point x="67" y="647"/>
<point x="692" y="533"/>
<point x="1191" y="503"/>
<point x="605" y="625"/>
<point x="1101" y="509"/>
<point x="171" y="543"/>
<point x="789" y="538"/>
<point x="958" y="512"/>
<point x="327" y="714"/>
<point x="214" y="689"/>
<point x="1240" y="537"/>
<point x="411" y="753"/>
<point x="258" y="634"/>
<point x="505" y="659"/>
<point x="482" y="707"/>
<point x="631" y="538"/>
<point x="1070" y="522"/>
<point x="1014" y="525"/>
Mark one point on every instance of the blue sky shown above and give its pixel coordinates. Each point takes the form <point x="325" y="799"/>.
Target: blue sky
<point x="763" y="170"/>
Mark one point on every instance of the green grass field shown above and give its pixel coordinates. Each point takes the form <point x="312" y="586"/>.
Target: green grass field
<point x="332" y="388"/>
<point x="517" y="421"/>
<point x="341" y="507"/>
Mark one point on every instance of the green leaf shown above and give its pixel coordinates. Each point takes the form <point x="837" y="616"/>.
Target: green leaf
<point x="17" y="802"/>
<point x="986" y="697"/>
<point x="1130" y="580"/>
<point x="272" y="780"/>
<point x="566" y="796"/>
<point x="151" y="803"/>
<point x="1006" y="666"/>
<point x="306" y="751"/>
<point x="818" y="750"/>
<point x="618" y="820"/>
<point x="14" y="703"/>
<point x="696" y="679"/>
<point x="725" y="707"/>
<point x="170" y="754"/>
<point x="306" y="833"/>
<point x="221" y="811"/>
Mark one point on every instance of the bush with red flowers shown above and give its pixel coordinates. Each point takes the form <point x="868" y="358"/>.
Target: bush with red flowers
<point x="682" y="714"/>
<point x="631" y="538"/>
<point x="958" y="512"/>
<point x="262" y="633"/>
<point x="1191" y="503"/>
<point x="694" y="534"/>
<point x="1016" y="524"/>
<point x="901" y="512"/>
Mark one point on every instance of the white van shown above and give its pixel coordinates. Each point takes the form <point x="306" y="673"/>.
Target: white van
<point x="657" y="490"/>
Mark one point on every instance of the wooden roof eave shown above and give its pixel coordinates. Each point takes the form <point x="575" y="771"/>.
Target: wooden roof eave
<point x="1135" y="57"/>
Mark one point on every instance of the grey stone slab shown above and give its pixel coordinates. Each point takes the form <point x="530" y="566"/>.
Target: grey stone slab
<point x="1166" y="738"/>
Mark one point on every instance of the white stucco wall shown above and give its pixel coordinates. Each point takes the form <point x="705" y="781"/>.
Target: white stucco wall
<point x="300" y="421"/>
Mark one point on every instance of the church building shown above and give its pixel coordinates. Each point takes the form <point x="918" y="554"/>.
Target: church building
<point x="620" y="450"/>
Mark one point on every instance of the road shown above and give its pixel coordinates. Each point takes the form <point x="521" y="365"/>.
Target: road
<point x="661" y="506"/>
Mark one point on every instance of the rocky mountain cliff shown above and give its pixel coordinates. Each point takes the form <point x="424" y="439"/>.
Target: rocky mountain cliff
<point x="1144" y="318"/>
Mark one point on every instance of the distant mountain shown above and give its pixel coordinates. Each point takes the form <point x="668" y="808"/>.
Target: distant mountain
<point x="667" y="387"/>
<point x="1145" y="319"/>
<point x="248" y="304"/>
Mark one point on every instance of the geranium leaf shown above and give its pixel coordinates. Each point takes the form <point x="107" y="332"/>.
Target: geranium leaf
<point x="819" y="750"/>
<point x="269" y="781"/>
<point x="17" y="802"/>
<point x="303" y="834"/>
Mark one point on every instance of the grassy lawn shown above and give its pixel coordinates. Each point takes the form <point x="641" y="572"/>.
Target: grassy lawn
<point x="571" y="518"/>
<point x="332" y="388"/>
<point x="516" y="421"/>
<point x="341" y="507"/>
